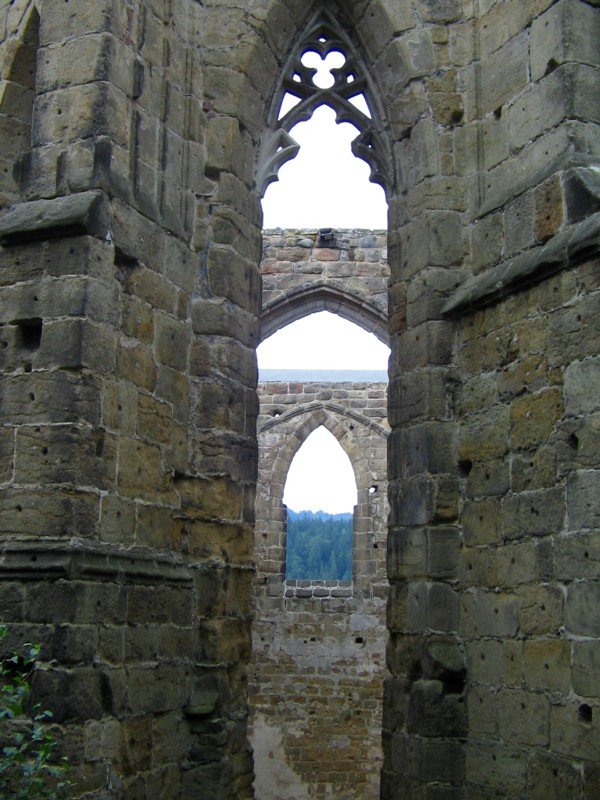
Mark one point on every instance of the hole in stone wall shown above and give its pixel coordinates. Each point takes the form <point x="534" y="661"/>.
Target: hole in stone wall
<point x="415" y="672"/>
<point x="29" y="333"/>
<point x="124" y="260"/>
<point x="99" y="445"/>
<point x="585" y="713"/>
<point x="456" y="684"/>
<point x="465" y="467"/>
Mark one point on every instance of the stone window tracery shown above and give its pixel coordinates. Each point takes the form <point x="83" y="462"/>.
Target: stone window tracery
<point x="324" y="68"/>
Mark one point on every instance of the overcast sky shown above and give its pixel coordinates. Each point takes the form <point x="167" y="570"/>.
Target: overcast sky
<point x="323" y="341"/>
<point x="324" y="186"/>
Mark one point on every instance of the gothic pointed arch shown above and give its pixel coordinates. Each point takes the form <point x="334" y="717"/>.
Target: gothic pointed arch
<point x="326" y="32"/>
<point x="320" y="297"/>
<point x="297" y="411"/>
<point x="333" y="421"/>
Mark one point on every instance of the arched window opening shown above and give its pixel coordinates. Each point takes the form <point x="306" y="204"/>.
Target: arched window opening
<point x="320" y="493"/>
<point x="323" y="341"/>
<point x="17" y="96"/>
<point x="325" y="108"/>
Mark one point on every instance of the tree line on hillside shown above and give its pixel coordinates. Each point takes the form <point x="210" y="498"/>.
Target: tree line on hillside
<point x="319" y="546"/>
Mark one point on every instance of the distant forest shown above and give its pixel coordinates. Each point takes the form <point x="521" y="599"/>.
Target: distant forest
<point x="319" y="546"/>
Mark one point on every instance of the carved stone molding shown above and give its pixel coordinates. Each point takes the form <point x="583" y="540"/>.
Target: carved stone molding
<point x="339" y="410"/>
<point x="319" y="297"/>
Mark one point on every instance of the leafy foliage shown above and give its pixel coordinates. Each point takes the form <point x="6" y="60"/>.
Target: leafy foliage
<point x="28" y="766"/>
<point x="319" y="546"/>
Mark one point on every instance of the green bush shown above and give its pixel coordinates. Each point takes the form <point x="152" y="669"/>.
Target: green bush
<point x="29" y="767"/>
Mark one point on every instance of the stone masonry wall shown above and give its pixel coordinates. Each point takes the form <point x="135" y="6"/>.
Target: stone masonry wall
<point x="527" y="407"/>
<point x="130" y="305"/>
<point x="499" y="170"/>
<point x="346" y="274"/>
<point x="128" y="322"/>
<point x="318" y="664"/>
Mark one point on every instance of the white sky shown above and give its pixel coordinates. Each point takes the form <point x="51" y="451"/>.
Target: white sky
<point x="322" y="341"/>
<point x="324" y="186"/>
<point x="321" y="477"/>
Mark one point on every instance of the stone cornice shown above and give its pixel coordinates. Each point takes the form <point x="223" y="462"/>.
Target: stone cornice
<point x="76" y="560"/>
<point x="567" y="248"/>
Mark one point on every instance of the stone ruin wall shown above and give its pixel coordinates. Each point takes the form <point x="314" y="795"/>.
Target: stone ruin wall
<point x="513" y="565"/>
<point x="318" y="648"/>
<point x="129" y="318"/>
<point x="130" y="306"/>
<point x="527" y="612"/>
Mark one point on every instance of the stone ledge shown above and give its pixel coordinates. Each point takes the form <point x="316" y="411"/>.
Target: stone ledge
<point x="74" y="215"/>
<point x="567" y="248"/>
<point x="40" y="560"/>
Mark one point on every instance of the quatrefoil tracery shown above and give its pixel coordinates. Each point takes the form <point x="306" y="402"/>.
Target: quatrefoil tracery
<point x="349" y="91"/>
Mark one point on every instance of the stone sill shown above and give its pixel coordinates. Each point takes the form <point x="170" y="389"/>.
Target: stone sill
<point x="319" y="590"/>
